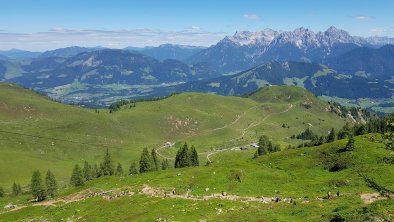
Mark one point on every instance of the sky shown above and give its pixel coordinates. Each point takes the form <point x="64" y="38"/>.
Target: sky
<point x="39" y="25"/>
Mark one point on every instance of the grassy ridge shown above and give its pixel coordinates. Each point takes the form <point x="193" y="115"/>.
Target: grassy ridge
<point x="39" y="134"/>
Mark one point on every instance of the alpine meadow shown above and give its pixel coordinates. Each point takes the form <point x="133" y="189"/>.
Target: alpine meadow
<point x="196" y="111"/>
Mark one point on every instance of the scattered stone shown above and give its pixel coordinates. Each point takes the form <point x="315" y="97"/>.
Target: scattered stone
<point x="10" y="206"/>
<point x="219" y="210"/>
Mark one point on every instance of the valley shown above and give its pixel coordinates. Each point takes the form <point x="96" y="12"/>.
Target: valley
<point x="47" y="133"/>
<point x="204" y="111"/>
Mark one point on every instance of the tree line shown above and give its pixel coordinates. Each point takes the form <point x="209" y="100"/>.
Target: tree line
<point x="148" y="162"/>
<point x="42" y="189"/>
<point x="380" y="125"/>
<point x="115" y="106"/>
<point x="265" y="146"/>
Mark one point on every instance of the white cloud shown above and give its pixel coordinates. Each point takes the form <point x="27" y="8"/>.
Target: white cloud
<point x="362" y="17"/>
<point x="251" y="17"/>
<point x="61" y="37"/>
<point x="378" y="30"/>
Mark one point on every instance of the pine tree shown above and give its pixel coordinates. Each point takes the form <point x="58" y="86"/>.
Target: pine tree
<point x="145" y="161"/>
<point x="2" y="193"/>
<point x="20" y="191"/>
<point x="361" y="130"/>
<point x="37" y="186"/>
<point x="108" y="166"/>
<point x="345" y="131"/>
<point x="321" y="140"/>
<point x="270" y="147"/>
<point x="133" y="169"/>
<point x="155" y="160"/>
<point x="276" y="148"/>
<point x="194" y="156"/>
<point x="95" y="172"/>
<point x="16" y="189"/>
<point x="51" y="184"/>
<point x="119" y="170"/>
<point x="182" y="158"/>
<point x="350" y="143"/>
<point x="165" y="165"/>
<point x="77" y="177"/>
<point x="101" y="170"/>
<point x="332" y="136"/>
<point x="263" y="145"/>
<point x="87" y="171"/>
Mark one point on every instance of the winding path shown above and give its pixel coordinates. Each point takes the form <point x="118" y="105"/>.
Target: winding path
<point x="154" y="192"/>
<point x="210" y="153"/>
<point x="245" y="130"/>
<point x="161" y="155"/>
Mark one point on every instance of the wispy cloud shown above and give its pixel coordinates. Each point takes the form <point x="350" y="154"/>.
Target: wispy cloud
<point x="62" y="37"/>
<point x="251" y="17"/>
<point x="378" y="30"/>
<point x="361" y="17"/>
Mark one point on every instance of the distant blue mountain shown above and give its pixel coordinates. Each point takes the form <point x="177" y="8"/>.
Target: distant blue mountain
<point x="168" y="51"/>
<point x="108" y="66"/>
<point x="18" y="54"/>
<point x="68" y="51"/>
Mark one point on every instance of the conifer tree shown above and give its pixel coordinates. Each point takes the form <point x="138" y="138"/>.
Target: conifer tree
<point x="182" y="158"/>
<point x="94" y="172"/>
<point x="361" y="130"/>
<point x="77" y="177"/>
<point x="101" y="170"/>
<point x="263" y="145"/>
<point x="119" y="170"/>
<point x="145" y="161"/>
<point x="345" y="131"/>
<point x="331" y="136"/>
<point x="321" y="140"/>
<point x="133" y="169"/>
<point x="51" y="184"/>
<point x="37" y="186"/>
<point x="2" y="193"/>
<point x="155" y="160"/>
<point x="108" y="166"/>
<point x="194" y="156"/>
<point x="270" y="147"/>
<point x="16" y="189"/>
<point x="165" y="165"/>
<point x="350" y="143"/>
<point x="20" y="189"/>
<point x="87" y="171"/>
<point x="276" y="148"/>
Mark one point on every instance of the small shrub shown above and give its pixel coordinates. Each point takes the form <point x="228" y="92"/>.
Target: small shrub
<point x="2" y="193"/>
<point x="334" y="161"/>
<point x="236" y="175"/>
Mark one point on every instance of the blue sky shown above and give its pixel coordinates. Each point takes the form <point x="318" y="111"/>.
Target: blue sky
<point x="47" y="24"/>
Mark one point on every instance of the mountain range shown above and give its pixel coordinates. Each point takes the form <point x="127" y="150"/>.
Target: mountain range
<point x="246" y="49"/>
<point x="331" y="64"/>
<point x="168" y="51"/>
<point x="161" y="52"/>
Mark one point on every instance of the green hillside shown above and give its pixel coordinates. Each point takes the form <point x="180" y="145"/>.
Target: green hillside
<point x="299" y="174"/>
<point x="37" y="133"/>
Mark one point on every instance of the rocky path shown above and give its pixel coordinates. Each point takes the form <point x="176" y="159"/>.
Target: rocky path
<point x="154" y="192"/>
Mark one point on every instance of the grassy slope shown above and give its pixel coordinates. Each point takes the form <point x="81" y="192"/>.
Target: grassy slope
<point x="74" y="134"/>
<point x="290" y="173"/>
